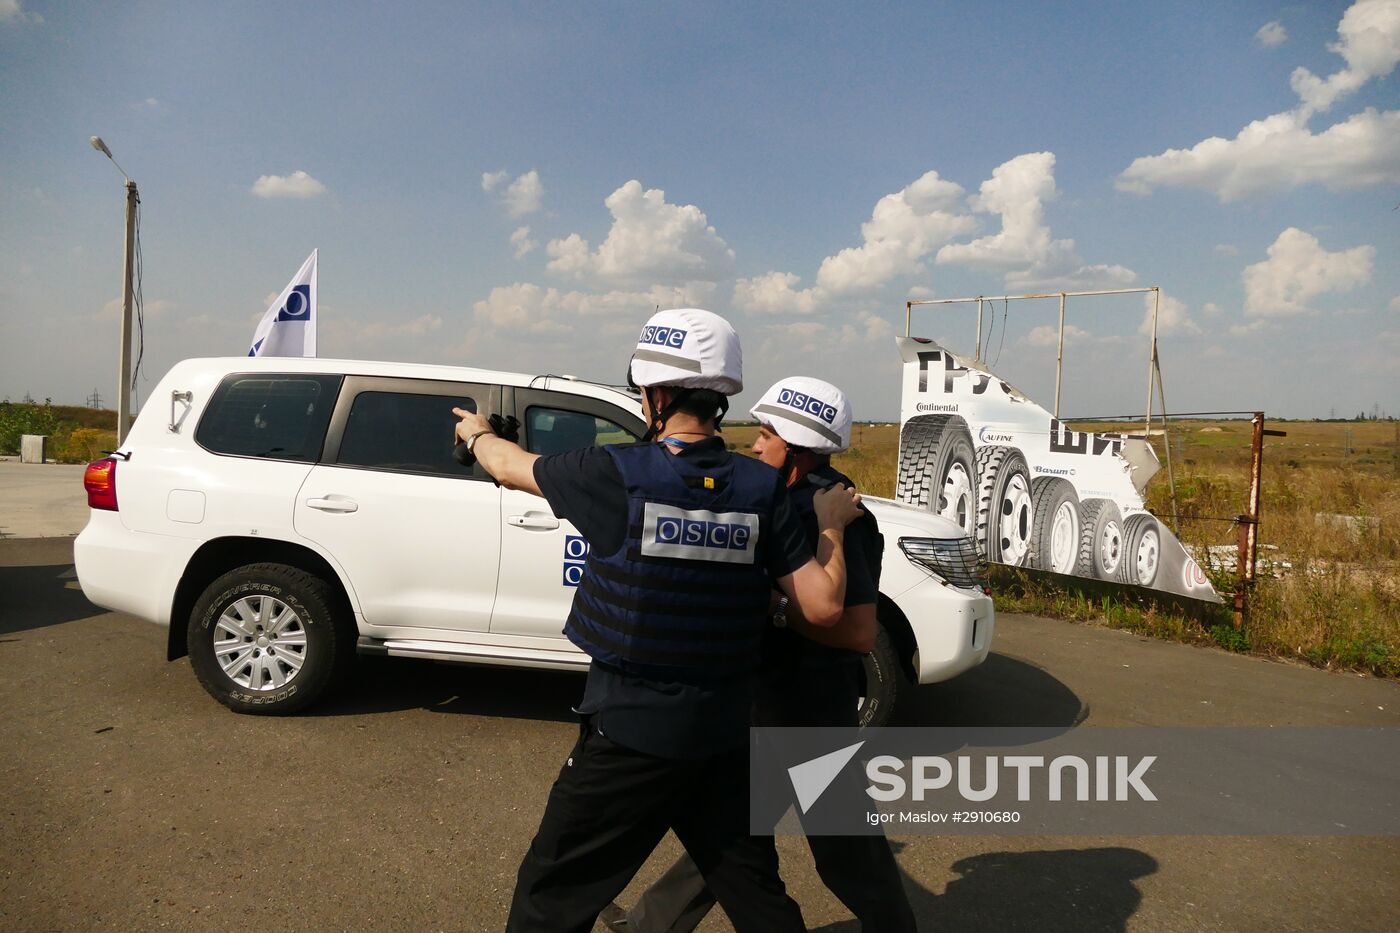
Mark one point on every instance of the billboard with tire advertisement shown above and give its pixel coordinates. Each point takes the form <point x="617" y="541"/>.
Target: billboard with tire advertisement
<point x="1030" y="491"/>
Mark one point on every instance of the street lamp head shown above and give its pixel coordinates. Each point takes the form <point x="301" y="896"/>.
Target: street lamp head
<point x="97" y="143"/>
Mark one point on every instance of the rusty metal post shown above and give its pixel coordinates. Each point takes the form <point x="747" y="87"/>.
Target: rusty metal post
<point x="908" y="318"/>
<point x="1166" y="440"/>
<point x="1060" y="355"/>
<point x="1248" y="555"/>
<point x="978" y="356"/>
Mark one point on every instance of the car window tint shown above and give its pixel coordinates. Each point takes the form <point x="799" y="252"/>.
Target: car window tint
<point x="556" y="431"/>
<point x="279" y="417"/>
<point x="405" y="432"/>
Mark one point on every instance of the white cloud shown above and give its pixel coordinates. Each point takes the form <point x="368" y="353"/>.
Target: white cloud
<point x="12" y="11"/>
<point x="1271" y="35"/>
<point x="903" y="229"/>
<point x="921" y="291"/>
<point x="1024" y="248"/>
<point x="417" y="327"/>
<point x="1299" y="269"/>
<point x="774" y="294"/>
<point x="1244" y="330"/>
<point x="521" y="241"/>
<point x="1227" y="249"/>
<point x="799" y="342"/>
<point x="296" y="185"/>
<point x="1172" y="317"/>
<point x="1280" y="152"/>
<point x="650" y="241"/>
<point x="1017" y="190"/>
<point x="527" y="308"/>
<point x="1211" y="308"/>
<point x="1395" y="303"/>
<point x="1370" y="45"/>
<point x="1063" y="271"/>
<point x="149" y="105"/>
<point x="1048" y="335"/>
<point x="157" y="308"/>
<point x="524" y="195"/>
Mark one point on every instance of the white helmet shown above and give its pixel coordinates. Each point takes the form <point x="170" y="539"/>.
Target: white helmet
<point x="688" y="348"/>
<point x="808" y="413"/>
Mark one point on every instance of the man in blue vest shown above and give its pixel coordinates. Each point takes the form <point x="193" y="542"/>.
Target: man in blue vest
<point x="811" y="673"/>
<point x="686" y="541"/>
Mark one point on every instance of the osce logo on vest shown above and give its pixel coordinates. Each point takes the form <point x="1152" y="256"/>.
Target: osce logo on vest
<point x="702" y="533"/>
<point x="805" y="403"/>
<point x="671" y="337"/>
<point x="698" y="534"/>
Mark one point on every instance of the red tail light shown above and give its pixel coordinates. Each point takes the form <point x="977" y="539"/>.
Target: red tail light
<point x="100" y="481"/>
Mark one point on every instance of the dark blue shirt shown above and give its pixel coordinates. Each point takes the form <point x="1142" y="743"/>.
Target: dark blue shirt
<point x="666" y="719"/>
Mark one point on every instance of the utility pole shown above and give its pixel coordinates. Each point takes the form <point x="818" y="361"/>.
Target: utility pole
<point x="128" y="257"/>
<point x="94" y="400"/>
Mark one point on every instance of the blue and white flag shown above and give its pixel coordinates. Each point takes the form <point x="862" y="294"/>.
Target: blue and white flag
<point x="289" y="326"/>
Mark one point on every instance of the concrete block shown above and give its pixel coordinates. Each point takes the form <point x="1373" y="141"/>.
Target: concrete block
<point x="33" y="448"/>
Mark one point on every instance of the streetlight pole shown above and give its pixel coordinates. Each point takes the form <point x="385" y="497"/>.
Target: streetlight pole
<point x="128" y="256"/>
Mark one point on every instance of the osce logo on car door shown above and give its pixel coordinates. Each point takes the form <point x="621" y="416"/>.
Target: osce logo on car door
<point x="699" y="534"/>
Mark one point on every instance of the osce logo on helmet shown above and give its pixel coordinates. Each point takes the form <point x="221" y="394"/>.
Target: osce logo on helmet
<point x="805" y="403"/>
<point x="700" y="533"/>
<point x="671" y="337"/>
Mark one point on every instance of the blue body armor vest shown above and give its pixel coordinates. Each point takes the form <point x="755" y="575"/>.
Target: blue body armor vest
<point x="686" y="596"/>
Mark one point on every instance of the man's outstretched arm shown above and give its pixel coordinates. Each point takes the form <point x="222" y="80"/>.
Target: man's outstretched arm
<point x="512" y="467"/>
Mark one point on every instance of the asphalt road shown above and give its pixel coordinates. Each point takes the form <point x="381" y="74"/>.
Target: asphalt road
<point x="41" y="500"/>
<point x="133" y="801"/>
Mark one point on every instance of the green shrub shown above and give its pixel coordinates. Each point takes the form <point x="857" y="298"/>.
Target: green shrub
<point x="17" y="419"/>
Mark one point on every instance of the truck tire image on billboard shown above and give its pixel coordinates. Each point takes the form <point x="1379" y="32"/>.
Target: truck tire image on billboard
<point x="1142" y="550"/>
<point x="1029" y="488"/>
<point x="938" y="469"/>
<point x="1100" y="539"/>
<point x="1055" y="525"/>
<point x="1005" y="516"/>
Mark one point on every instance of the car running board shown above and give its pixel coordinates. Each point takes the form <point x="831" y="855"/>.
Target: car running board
<point x="494" y="655"/>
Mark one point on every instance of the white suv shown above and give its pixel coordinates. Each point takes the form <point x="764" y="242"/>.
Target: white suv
<point x="281" y="515"/>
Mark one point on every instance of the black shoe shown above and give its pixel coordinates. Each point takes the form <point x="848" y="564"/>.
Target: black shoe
<point x="615" y="918"/>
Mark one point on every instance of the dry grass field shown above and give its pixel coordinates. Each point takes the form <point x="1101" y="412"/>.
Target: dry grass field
<point x="1329" y="588"/>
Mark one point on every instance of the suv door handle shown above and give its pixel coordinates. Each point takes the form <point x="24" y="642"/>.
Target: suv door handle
<point x="540" y="520"/>
<point x="334" y="504"/>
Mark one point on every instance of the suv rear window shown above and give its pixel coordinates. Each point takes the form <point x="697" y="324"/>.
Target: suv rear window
<point x="277" y="417"/>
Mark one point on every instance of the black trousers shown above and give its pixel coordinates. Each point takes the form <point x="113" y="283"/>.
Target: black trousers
<point x="860" y="870"/>
<point x="607" y="811"/>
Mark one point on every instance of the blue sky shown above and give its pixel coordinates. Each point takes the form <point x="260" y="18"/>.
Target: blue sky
<point x="518" y="187"/>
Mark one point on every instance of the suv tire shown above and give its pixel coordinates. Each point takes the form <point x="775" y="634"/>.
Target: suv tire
<point x="883" y="681"/>
<point x="267" y="639"/>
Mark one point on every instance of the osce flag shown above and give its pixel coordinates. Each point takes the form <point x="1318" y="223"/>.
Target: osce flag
<point x="289" y="326"/>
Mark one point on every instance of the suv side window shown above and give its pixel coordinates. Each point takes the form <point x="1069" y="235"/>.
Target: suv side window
<point x="557" y="431"/>
<point x="273" y="416"/>
<point x="405" y="432"/>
